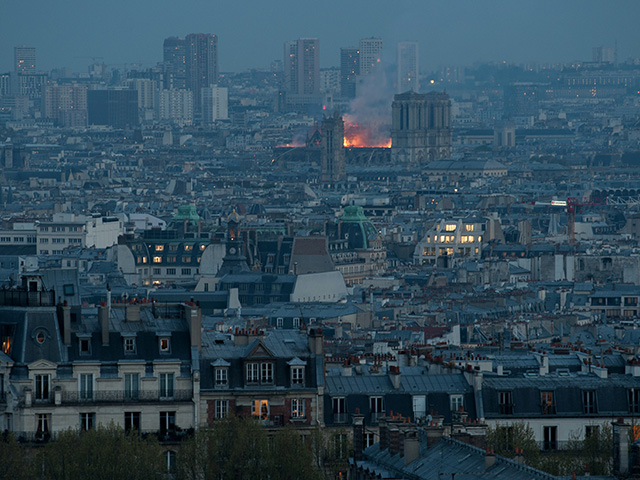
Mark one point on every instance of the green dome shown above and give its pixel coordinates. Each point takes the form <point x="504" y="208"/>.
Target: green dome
<point x="357" y="227"/>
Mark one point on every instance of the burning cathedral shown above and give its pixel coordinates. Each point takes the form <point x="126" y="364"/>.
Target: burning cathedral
<point x="420" y="127"/>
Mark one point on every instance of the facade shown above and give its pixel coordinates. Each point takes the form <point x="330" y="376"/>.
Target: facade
<point x="115" y="108"/>
<point x="175" y="106"/>
<point x="408" y="60"/>
<point x="66" y="104"/>
<point x="69" y="230"/>
<point x="421" y="127"/>
<point x="349" y="69"/>
<point x="24" y="59"/>
<point x="201" y="63"/>
<point x="450" y="241"/>
<point x="174" y="62"/>
<point x="370" y="54"/>
<point x="302" y="72"/>
<point x="333" y="154"/>
<point x="214" y="104"/>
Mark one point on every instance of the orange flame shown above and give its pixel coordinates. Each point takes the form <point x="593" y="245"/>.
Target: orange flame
<point x="359" y="136"/>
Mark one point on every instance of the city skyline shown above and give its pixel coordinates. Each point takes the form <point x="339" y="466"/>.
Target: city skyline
<point x="449" y="34"/>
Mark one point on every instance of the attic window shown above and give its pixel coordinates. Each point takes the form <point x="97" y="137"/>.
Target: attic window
<point x="68" y="290"/>
<point x="85" y="345"/>
<point x="165" y="345"/>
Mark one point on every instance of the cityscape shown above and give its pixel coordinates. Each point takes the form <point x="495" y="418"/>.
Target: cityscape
<point x="419" y="272"/>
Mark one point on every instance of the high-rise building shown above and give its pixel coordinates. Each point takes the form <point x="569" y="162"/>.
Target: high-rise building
<point x="349" y="69"/>
<point x="175" y="106"/>
<point x="333" y="154"/>
<point x="201" y="63"/>
<point x="408" y="67"/>
<point x="302" y="66"/>
<point x="370" y="54"/>
<point x="117" y="108"/>
<point x="173" y="59"/>
<point x="215" y="104"/>
<point x="604" y="54"/>
<point x="420" y="127"/>
<point x="24" y="59"/>
<point x="66" y="104"/>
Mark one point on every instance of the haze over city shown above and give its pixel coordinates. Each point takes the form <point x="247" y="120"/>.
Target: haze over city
<point x="251" y="32"/>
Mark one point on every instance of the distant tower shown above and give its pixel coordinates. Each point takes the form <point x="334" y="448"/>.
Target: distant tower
<point x="201" y="63"/>
<point x="234" y="261"/>
<point x="333" y="156"/>
<point x="370" y="54"/>
<point x="302" y="66"/>
<point x="173" y="59"/>
<point x="420" y="127"/>
<point x="408" y="67"/>
<point x="349" y="70"/>
<point x="24" y="59"/>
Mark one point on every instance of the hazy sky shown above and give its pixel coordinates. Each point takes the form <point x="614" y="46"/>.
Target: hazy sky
<point x="251" y="33"/>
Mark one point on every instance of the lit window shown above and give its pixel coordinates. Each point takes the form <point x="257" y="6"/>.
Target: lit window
<point x="159" y="248"/>
<point x="188" y="248"/>
<point x="165" y="345"/>
<point x="469" y="228"/>
<point x="297" y="408"/>
<point x="260" y="409"/>
<point x="157" y="259"/>
<point x="450" y="228"/>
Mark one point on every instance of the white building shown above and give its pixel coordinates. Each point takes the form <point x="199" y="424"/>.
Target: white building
<point x="175" y="106"/>
<point x="69" y="230"/>
<point x="370" y="54"/>
<point x="451" y="239"/>
<point x="215" y="105"/>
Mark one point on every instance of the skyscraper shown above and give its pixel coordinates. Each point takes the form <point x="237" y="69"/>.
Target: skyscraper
<point x="370" y="54"/>
<point x="201" y="63"/>
<point x="24" y="59"/>
<point x="408" y="67"/>
<point x="302" y="66"/>
<point x="349" y="69"/>
<point x="173" y="58"/>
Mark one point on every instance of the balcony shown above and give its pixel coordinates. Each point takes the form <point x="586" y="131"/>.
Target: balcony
<point x="122" y="396"/>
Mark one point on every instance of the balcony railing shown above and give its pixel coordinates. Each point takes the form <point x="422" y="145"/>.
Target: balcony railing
<point x="122" y="396"/>
<point x="23" y="298"/>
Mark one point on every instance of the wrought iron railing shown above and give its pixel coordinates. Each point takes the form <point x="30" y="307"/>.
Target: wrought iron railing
<point x="126" y="396"/>
<point x="24" y="298"/>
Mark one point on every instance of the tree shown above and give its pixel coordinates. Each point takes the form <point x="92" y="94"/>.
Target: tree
<point x="16" y="463"/>
<point x="331" y="451"/>
<point x="103" y="453"/>
<point x="505" y="439"/>
<point x="292" y="458"/>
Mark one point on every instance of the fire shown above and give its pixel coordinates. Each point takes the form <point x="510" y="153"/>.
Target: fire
<point x="356" y="135"/>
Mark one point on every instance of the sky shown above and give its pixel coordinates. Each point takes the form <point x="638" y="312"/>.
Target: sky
<point x="251" y="33"/>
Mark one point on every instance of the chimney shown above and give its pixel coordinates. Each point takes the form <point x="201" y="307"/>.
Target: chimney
<point x="394" y="376"/>
<point x="411" y="446"/>
<point x="620" y="447"/>
<point x="132" y="312"/>
<point x="358" y="436"/>
<point x="489" y="460"/>
<point x="241" y="337"/>
<point x="103" y="318"/>
<point x="193" y="315"/>
<point x="316" y="341"/>
<point x="395" y="446"/>
<point x="384" y="433"/>
<point x="66" y="322"/>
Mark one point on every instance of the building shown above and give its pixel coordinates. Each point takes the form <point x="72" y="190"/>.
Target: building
<point x="201" y="63"/>
<point x="408" y="67"/>
<point x="69" y="230"/>
<point x="116" y="108"/>
<point x="333" y="155"/>
<point x="370" y="54"/>
<point x="451" y="240"/>
<point x="175" y="106"/>
<point x="24" y="59"/>
<point x="421" y="127"/>
<point x="215" y="105"/>
<point x="66" y="104"/>
<point x="302" y="72"/>
<point x="349" y="69"/>
<point x="174" y="62"/>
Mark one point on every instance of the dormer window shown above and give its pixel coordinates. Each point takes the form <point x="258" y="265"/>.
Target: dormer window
<point x="129" y="345"/>
<point x="259" y="373"/>
<point x="296" y="369"/>
<point x="84" y="344"/>
<point x="164" y="343"/>
<point x="222" y="376"/>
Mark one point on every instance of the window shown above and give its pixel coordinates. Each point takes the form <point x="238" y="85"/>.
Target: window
<point x="589" y="401"/>
<point x="591" y="431"/>
<point x="297" y="408"/>
<point x="222" y="408"/>
<point x="369" y="439"/>
<point x="456" y="402"/>
<point x="85" y="381"/>
<point x="68" y="289"/>
<point x="157" y="259"/>
<point x="170" y="457"/>
<point x="253" y="373"/>
<point x="131" y="386"/>
<point x="297" y="376"/>
<point x="547" y="402"/>
<point x="85" y="346"/>
<point x="419" y="406"/>
<point x="130" y="345"/>
<point x="165" y="345"/>
<point x="171" y="271"/>
<point x="376" y="406"/>
<point x="131" y="421"/>
<point x="550" y="435"/>
<point x="186" y="271"/>
<point x="222" y="376"/>
<point x="157" y="271"/>
<point x="167" y="422"/>
<point x="634" y="400"/>
<point x="266" y="372"/>
<point x="87" y="421"/>
<point x="339" y="410"/>
<point x="260" y="409"/>
<point x="279" y="322"/>
<point x="166" y="385"/>
<point x="43" y="423"/>
<point x="296" y="322"/>
<point x="159" y="248"/>
<point x="43" y="384"/>
<point x="505" y="403"/>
